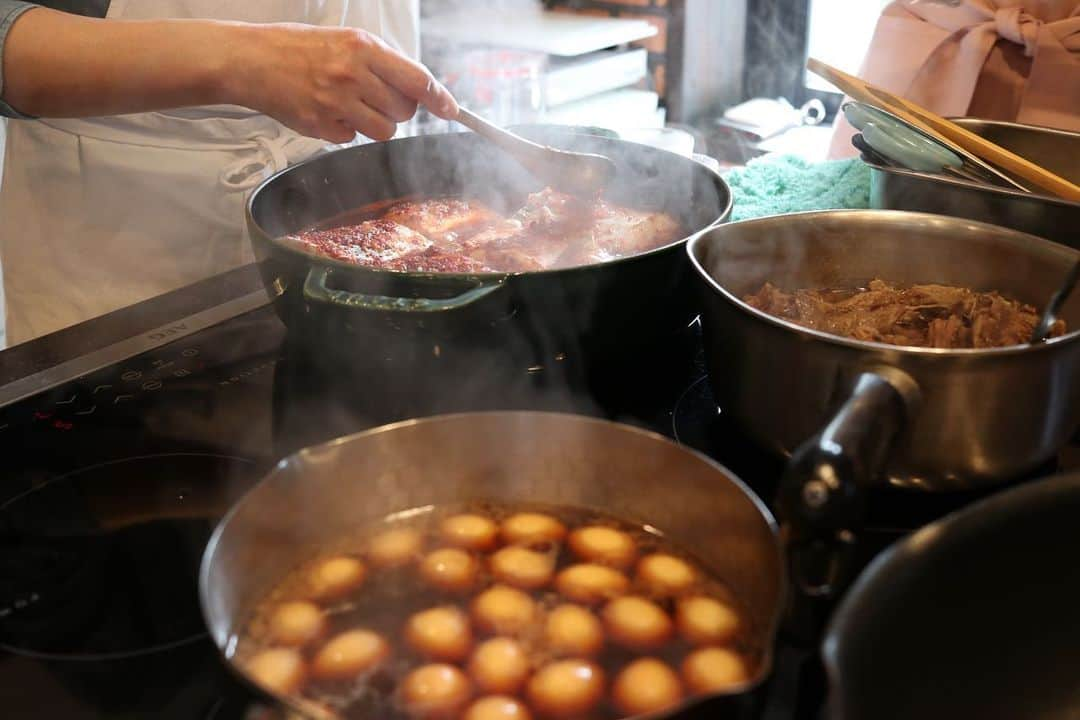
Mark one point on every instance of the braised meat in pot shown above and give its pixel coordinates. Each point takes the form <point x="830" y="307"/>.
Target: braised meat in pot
<point x="374" y="242"/>
<point x="551" y="230"/>
<point x="443" y="220"/>
<point x="931" y="316"/>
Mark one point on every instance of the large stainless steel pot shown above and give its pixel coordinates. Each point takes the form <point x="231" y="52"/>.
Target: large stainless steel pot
<point x="320" y="494"/>
<point x="596" y="310"/>
<point x="974" y="616"/>
<point x="866" y="412"/>
<point x="1053" y="218"/>
<point x="985" y="415"/>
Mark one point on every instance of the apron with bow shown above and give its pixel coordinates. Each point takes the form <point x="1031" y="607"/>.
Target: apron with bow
<point x="100" y="213"/>
<point x="1012" y="60"/>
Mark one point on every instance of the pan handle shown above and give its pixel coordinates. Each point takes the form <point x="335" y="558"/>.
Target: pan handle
<point x="822" y="492"/>
<point x="315" y="290"/>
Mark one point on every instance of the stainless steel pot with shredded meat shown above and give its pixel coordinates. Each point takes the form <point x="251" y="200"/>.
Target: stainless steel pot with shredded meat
<point x="857" y="413"/>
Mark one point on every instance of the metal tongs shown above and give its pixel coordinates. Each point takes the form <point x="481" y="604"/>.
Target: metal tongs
<point x="1049" y="315"/>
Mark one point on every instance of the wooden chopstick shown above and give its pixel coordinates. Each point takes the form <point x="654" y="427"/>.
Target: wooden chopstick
<point x="947" y="131"/>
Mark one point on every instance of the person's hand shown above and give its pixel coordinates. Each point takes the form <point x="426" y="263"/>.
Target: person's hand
<point x="331" y="82"/>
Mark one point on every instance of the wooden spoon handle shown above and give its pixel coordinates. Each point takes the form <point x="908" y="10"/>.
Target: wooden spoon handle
<point x="527" y="152"/>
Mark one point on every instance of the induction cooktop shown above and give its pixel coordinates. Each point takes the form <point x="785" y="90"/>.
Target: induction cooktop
<point x="126" y="438"/>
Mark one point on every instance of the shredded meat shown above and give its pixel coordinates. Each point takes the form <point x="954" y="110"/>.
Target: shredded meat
<point x="935" y="316"/>
<point x="552" y="230"/>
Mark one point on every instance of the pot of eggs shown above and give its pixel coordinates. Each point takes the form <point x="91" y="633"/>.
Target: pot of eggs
<point x="497" y="565"/>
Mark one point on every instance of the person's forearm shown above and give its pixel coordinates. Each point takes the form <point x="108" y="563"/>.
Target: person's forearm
<point x="326" y="82"/>
<point x="62" y="65"/>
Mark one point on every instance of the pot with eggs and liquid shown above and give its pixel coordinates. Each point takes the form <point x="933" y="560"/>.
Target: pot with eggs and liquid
<point x="495" y="565"/>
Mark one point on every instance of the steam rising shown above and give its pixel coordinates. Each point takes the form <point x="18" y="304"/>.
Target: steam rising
<point x="536" y="342"/>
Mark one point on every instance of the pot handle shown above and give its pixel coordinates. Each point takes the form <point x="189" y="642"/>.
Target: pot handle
<point x="315" y="290"/>
<point x="822" y="491"/>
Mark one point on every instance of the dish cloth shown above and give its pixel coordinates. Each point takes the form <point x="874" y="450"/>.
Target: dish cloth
<point x="778" y="184"/>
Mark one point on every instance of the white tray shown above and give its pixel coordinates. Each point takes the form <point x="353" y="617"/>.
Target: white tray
<point x="533" y="28"/>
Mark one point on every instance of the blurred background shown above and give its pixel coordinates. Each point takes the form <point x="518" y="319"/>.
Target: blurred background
<point x="719" y="77"/>
<point x="723" y="77"/>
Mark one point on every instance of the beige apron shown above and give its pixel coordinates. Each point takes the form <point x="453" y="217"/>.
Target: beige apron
<point x="1013" y="60"/>
<point x="97" y="214"/>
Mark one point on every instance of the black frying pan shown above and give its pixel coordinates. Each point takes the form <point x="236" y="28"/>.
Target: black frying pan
<point x="974" y="616"/>
<point x="597" y="310"/>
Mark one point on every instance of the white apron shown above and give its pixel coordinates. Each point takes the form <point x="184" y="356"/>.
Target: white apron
<point x="97" y="214"/>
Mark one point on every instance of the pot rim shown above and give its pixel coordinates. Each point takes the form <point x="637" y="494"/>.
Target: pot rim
<point x="1015" y="195"/>
<point x="257" y="230"/>
<point x="970" y="354"/>
<point x="226" y="650"/>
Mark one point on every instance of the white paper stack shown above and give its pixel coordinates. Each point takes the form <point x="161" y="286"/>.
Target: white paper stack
<point x="626" y="108"/>
<point x="576" y="78"/>
<point x="590" y="70"/>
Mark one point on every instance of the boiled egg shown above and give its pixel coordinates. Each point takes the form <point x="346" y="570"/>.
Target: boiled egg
<point x="349" y="654"/>
<point x="604" y="545"/>
<point x="644" y="686"/>
<point x="571" y="630"/>
<point x="395" y="548"/>
<point x="666" y="575"/>
<point x="441" y="633"/>
<point x="590" y="584"/>
<point x="704" y="620"/>
<point x="470" y="532"/>
<point x="336" y="577"/>
<point x="531" y="529"/>
<point x="450" y="569"/>
<point x="636" y="623"/>
<point x="279" y="670"/>
<point x="497" y="707"/>
<point x="499" y="665"/>
<point x="714" y="669"/>
<point x="522" y="567"/>
<point x="297" y="623"/>
<point x="438" y="692"/>
<point x="566" y="688"/>
<point x="503" y="610"/>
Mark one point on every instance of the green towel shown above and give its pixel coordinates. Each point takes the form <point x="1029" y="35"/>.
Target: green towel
<point x="777" y="184"/>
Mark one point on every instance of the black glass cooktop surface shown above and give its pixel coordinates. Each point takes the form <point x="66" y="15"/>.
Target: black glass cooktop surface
<point x="123" y="447"/>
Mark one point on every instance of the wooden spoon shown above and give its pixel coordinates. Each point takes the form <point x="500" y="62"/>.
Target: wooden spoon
<point x="581" y="174"/>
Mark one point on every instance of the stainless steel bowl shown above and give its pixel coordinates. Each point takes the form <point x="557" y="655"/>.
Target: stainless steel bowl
<point x="856" y="414"/>
<point x="1052" y="218"/>
<point x="985" y="415"/>
<point x="321" y="494"/>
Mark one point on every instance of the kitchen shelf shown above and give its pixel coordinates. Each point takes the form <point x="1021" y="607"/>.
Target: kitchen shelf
<point x="536" y="29"/>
